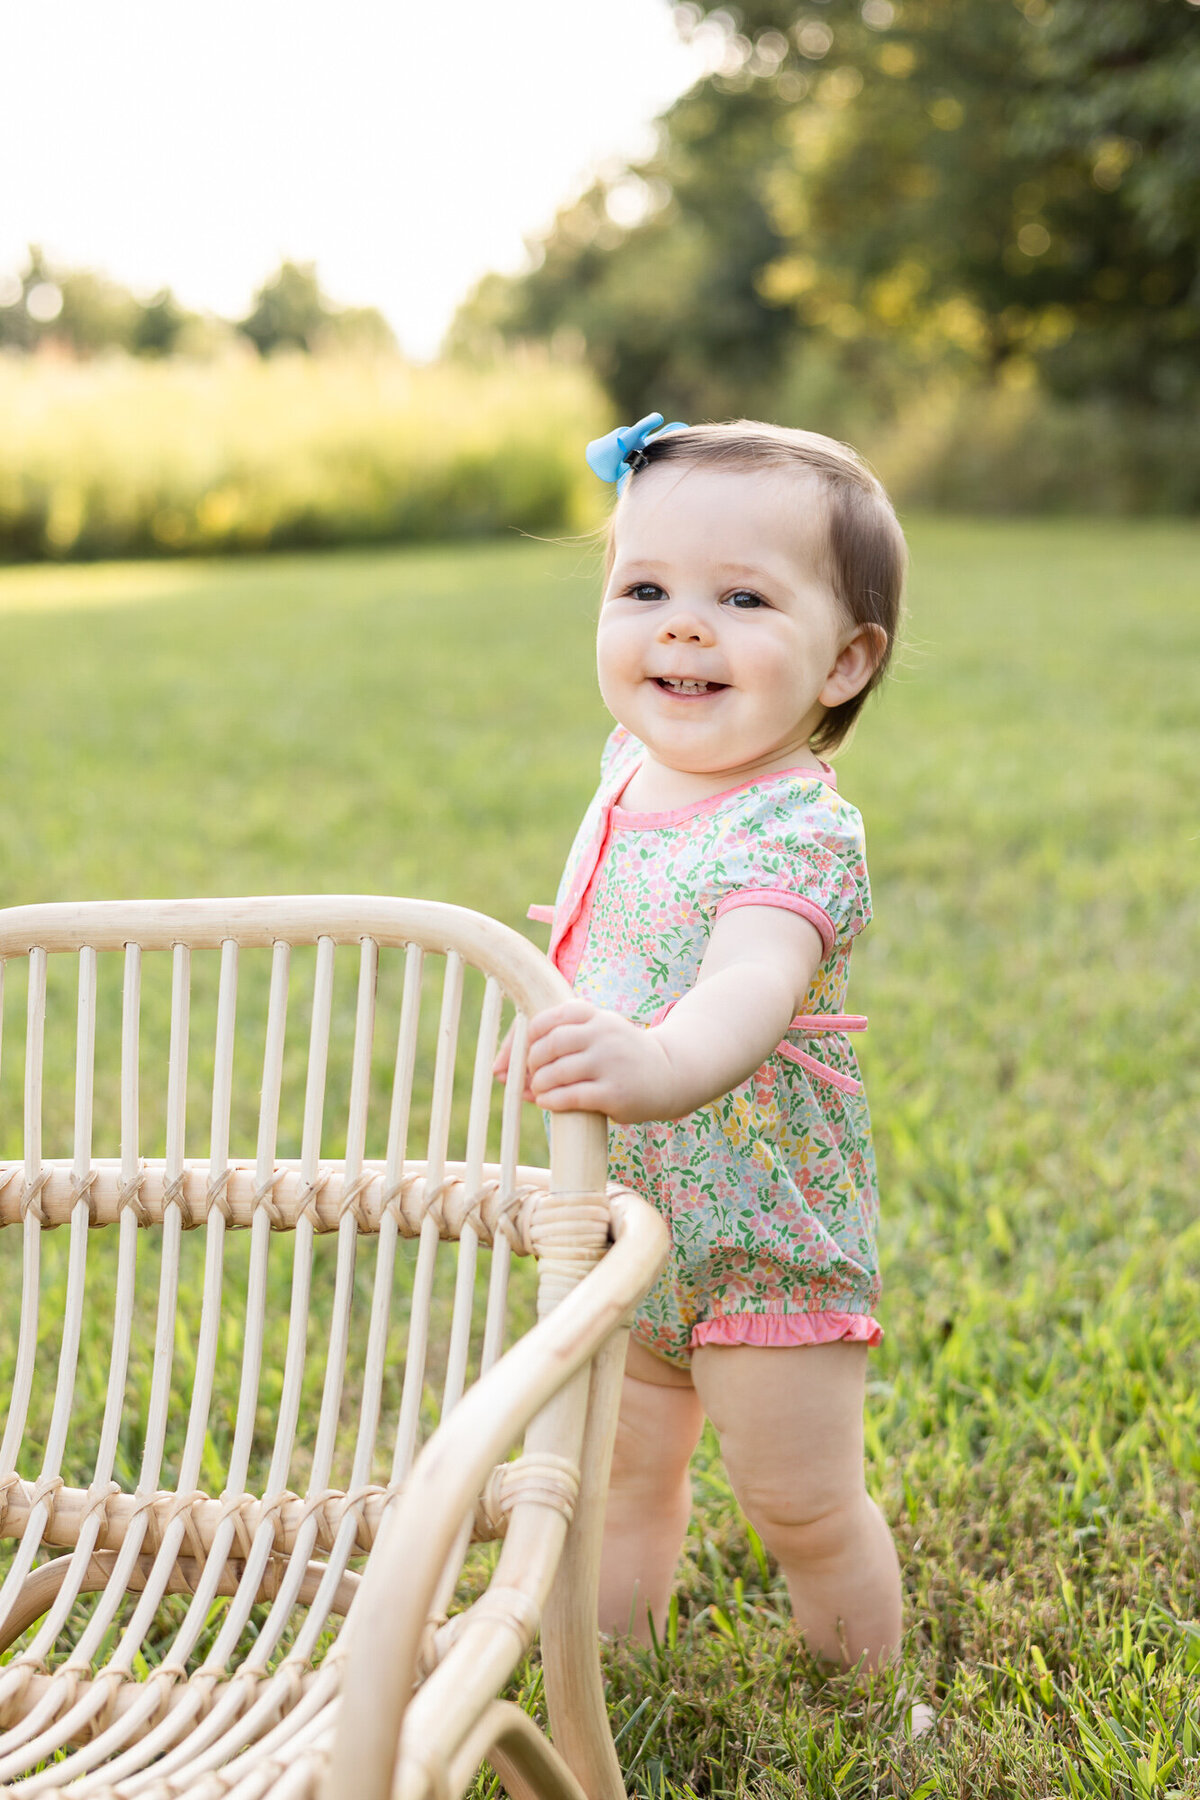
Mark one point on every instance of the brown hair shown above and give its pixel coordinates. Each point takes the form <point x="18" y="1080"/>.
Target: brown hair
<point x="866" y="552"/>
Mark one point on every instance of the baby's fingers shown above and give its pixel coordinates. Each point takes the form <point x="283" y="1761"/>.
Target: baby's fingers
<point x="503" y="1063"/>
<point x="561" y="1070"/>
<point x="578" y="1096"/>
<point x="571" y="1012"/>
<point x="565" y="1038"/>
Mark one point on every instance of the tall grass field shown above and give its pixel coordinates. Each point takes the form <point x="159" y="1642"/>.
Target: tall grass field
<point x="425" y="722"/>
<point x="121" y="457"/>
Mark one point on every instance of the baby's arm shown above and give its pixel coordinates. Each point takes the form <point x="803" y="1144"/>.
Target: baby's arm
<point x="752" y="982"/>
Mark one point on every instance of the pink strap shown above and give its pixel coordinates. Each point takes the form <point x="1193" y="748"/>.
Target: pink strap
<point x="815" y="1022"/>
<point x="821" y="1070"/>
<point x="544" y="915"/>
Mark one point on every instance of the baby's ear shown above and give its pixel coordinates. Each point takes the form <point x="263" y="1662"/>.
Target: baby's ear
<point x="857" y="661"/>
<point x="879" y="644"/>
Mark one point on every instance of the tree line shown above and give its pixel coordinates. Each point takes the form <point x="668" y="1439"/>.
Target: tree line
<point x="85" y="312"/>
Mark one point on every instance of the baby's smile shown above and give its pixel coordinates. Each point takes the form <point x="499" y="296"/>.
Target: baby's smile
<point x="684" y="687"/>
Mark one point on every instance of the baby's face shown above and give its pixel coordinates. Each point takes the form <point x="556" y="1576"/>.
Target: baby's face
<point x="721" y="644"/>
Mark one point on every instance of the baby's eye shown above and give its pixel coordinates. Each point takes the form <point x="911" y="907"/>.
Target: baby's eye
<point x="645" y="590"/>
<point x="745" y="598"/>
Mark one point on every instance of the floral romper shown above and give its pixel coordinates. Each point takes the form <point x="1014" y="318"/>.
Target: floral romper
<point x="769" y="1190"/>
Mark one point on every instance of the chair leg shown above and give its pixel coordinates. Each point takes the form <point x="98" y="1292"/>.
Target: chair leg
<point x="570" y="1635"/>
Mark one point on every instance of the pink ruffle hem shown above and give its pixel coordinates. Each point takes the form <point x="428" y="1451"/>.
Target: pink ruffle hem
<point x="783" y="1329"/>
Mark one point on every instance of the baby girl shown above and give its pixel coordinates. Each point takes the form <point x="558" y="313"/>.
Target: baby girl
<point x="705" y="921"/>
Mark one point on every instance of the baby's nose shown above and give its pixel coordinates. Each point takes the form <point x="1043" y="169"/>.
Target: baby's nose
<point x="687" y="628"/>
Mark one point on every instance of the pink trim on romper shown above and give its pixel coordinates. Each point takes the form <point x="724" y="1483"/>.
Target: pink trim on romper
<point x="781" y="1330"/>
<point x="697" y="808"/>
<point x="788" y="902"/>
<point x="569" y="930"/>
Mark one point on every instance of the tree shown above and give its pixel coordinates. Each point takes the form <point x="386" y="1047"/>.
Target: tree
<point x="289" y="309"/>
<point x="160" y="324"/>
<point x="1115" y="119"/>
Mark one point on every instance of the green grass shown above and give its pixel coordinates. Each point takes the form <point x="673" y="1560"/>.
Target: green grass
<point x="426" y="723"/>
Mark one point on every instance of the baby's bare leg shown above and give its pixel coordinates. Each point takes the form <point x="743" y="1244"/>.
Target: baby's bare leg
<point x="790" y="1425"/>
<point x="650" y="1494"/>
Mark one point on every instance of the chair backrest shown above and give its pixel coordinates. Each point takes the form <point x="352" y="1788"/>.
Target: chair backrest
<point x="198" y="1412"/>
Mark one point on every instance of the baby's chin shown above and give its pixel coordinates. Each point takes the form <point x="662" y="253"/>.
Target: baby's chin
<point x="723" y="759"/>
<point x="731" y="772"/>
<point x="690" y="751"/>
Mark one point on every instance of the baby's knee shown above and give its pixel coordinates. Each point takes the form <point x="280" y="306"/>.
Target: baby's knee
<point x="806" y="1519"/>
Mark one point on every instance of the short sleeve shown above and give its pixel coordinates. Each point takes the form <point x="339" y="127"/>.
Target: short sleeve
<point x="799" y="846"/>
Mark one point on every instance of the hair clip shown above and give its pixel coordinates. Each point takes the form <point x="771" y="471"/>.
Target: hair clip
<point x="621" y="454"/>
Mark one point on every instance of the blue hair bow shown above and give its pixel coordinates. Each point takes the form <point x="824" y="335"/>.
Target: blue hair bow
<point x="615" y="457"/>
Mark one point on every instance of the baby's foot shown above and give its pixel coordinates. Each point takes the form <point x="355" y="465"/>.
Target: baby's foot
<point x="913" y="1718"/>
<point x="909" y="1718"/>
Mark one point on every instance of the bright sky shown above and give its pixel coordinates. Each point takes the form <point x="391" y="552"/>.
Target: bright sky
<point x="404" y="147"/>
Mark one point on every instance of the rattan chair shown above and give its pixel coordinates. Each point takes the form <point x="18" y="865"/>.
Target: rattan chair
<point x="252" y="1385"/>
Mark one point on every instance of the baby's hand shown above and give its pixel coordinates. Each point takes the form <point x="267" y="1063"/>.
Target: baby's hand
<point x="582" y="1058"/>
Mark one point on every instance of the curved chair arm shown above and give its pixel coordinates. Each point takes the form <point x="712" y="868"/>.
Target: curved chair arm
<point x="382" y="1637"/>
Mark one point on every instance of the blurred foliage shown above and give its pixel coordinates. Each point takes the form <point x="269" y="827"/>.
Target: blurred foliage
<point x="82" y="312"/>
<point x="1018" y="450"/>
<point x="114" y="457"/>
<point x="987" y="191"/>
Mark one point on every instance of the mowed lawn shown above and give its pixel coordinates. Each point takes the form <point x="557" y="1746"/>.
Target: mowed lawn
<point x="426" y="723"/>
